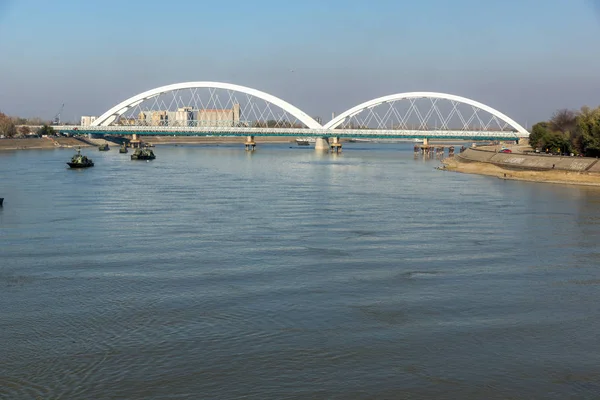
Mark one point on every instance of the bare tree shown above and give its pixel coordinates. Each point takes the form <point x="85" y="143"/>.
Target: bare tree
<point x="564" y="121"/>
<point x="24" y="130"/>
<point x="7" y="127"/>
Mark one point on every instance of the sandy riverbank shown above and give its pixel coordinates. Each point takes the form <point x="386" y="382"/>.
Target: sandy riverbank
<point x="465" y="164"/>
<point x="41" y="143"/>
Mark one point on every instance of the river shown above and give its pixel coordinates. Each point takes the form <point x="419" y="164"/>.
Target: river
<point x="215" y="273"/>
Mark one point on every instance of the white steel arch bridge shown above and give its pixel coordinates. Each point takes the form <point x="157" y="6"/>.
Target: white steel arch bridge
<point x="224" y="109"/>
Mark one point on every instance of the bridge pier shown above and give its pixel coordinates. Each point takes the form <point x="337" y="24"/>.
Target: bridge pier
<point x="250" y="143"/>
<point x="336" y="146"/>
<point x="135" y="142"/>
<point x="322" y="143"/>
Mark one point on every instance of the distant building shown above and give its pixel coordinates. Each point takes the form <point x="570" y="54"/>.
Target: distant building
<point x="184" y="116"/>
<point x="159" y="118"/>
<point x="187" y="116"/>
<point x="142" y="119"/>
<point x="127" y="121"/>
<point x="223" y="117"/>
<point x="87" y="120"/>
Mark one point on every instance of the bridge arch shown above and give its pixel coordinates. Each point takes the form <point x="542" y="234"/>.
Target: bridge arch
<point x="335" y="122"/>
<point x="115" y="112"/>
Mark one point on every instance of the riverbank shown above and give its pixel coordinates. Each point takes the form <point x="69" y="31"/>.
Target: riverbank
<point x="69" y="142"/>
<point x="158" y="140"/>
<point x="41" y="143"/>
<point x="526" y="167"/>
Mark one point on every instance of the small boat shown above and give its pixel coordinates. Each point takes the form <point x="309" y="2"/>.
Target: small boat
<point x="123" y="149"/>
<point x="305" y="141"/>
<point x="80" y="161"/>
<point x="104" y="147"/>
<point x="143" y="154"/>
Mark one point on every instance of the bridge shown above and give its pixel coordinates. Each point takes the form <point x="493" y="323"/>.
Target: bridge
<point x="224" y="109"/>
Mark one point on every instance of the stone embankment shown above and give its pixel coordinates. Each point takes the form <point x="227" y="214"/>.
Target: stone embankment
<point x="530" y="167"/>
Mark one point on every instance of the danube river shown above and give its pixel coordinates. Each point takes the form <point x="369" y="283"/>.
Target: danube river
<point x="215" y="273"/>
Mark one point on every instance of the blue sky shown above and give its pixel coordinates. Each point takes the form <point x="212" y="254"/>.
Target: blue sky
<point x="526" y="58"/>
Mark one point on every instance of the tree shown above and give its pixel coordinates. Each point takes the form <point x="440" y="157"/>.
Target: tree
<point x="46" y="130"/>
<point x="24" y="130"/>
<point x="564" y="121"/>
<point x="556" y="142"/>
<point x="588" y="125"/>
<point x="7" y="127"/>
<point x="538" y="131"/>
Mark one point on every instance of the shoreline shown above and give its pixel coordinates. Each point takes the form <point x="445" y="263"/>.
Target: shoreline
<point x="582" y="171"/>
<point x="71" y="142"/>
<point x="43" y="143"/>
<point x="209" y="140"/>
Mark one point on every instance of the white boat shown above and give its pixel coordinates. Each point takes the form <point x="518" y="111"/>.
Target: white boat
<point x="305" y="141"/>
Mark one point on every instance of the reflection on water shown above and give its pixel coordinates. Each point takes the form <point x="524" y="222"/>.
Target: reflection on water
<point x="212" y="272"/>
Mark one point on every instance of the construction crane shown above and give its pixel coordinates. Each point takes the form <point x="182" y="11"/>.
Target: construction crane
<point x="56" y="119"/>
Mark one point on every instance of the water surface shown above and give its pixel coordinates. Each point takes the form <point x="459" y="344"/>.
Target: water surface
<point x="216" y="273"/>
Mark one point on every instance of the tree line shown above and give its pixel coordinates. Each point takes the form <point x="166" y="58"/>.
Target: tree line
<point x="569" y="131"/>
<point x="8" y="126"/>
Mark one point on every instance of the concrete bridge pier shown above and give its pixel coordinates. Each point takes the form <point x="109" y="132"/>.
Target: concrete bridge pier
<point x="322" y="143"/>
<point x="336" y="146"/>
<point x="250" y="143"/>
<point x="135" y="142"/>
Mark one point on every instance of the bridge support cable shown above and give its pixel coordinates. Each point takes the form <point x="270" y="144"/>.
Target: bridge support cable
<point x="425" y="111"/>
<point x="205" y="104"/>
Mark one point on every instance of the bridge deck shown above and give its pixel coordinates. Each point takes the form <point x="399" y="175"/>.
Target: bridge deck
<point x="290" y="132"/>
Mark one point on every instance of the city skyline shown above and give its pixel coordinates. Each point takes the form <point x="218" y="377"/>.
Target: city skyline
<point x="525" y="58"/>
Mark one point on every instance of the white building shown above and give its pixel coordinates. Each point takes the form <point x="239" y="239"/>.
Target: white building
<point x="87" y="120"/>
<point x="184" y="116"/>
<point x="219" y="117"/>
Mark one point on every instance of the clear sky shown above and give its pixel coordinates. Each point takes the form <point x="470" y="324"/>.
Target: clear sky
<point x="526" y="58"/>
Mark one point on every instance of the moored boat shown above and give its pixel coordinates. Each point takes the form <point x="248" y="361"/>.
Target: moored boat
<point x="123" y="149"/>
<point x="80" y="161"/>
<point x="104" y="147"/>
<point x="305" y="141"/>
<point x="143" y="154"/>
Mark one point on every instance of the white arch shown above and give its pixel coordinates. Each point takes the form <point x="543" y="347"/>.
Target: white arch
<point x="111" y="115"/>
<point x="334" y="123"/>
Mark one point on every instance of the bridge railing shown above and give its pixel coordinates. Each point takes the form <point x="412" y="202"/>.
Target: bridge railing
<point x="301" y="132"/>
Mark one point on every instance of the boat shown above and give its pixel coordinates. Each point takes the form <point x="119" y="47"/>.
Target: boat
<point x="123" y="149"/>
<point x="359" y="140"/>
<point x="1" y="201"/>
<point x="305" y="141"/>
<point x="143" y="154"/>
<point x="104" y="147"/>
<point x="80" y="161"/>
